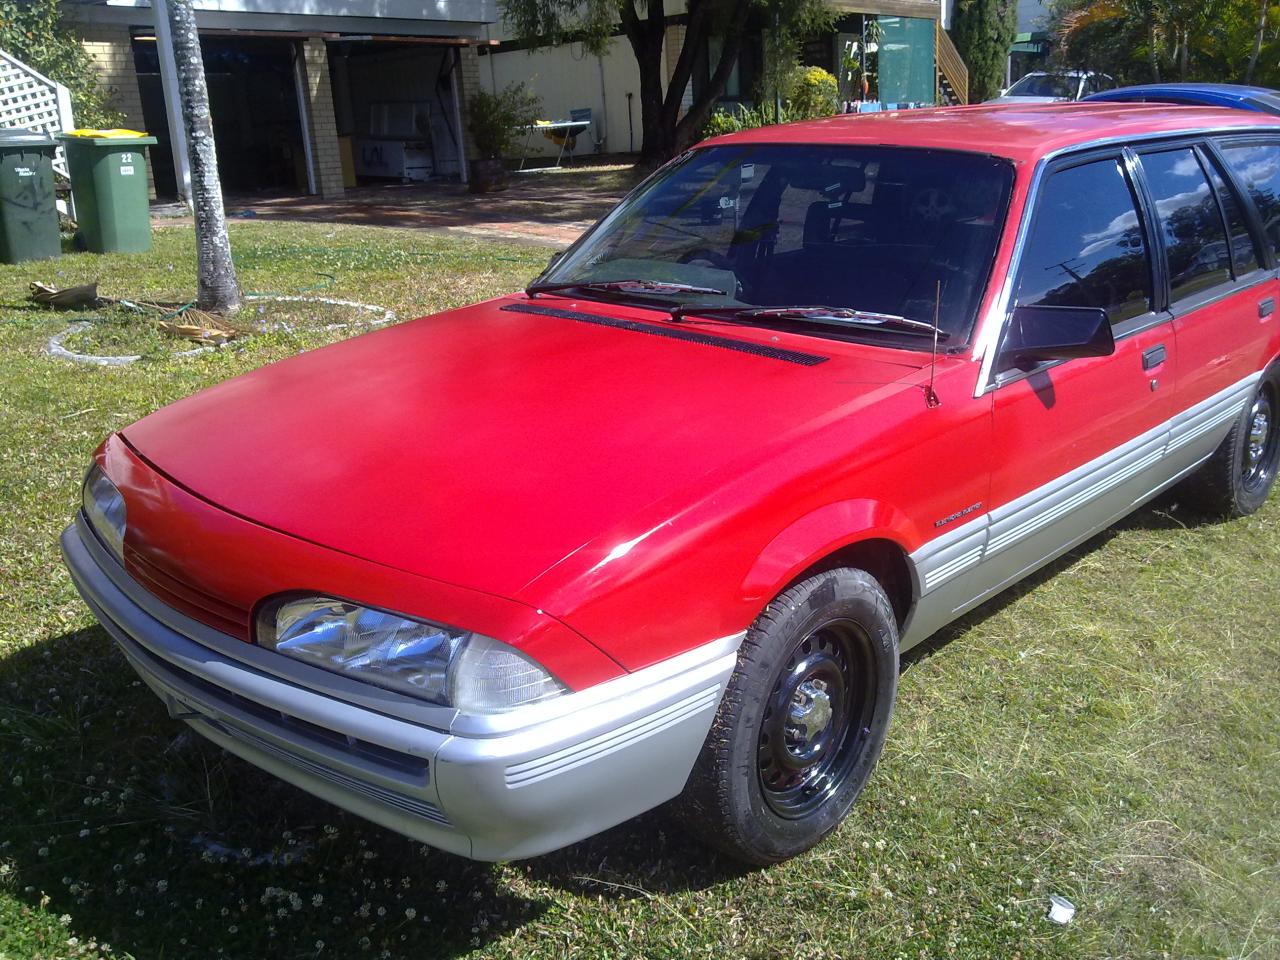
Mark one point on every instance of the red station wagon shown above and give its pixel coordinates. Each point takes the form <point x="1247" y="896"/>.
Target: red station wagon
<point x="661" y="525"/>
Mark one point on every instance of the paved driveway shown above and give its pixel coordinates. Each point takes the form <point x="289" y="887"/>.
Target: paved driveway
<point x="548" y="206"/>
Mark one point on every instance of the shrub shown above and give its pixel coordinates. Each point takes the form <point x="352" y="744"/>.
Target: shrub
<point x="746" y="118"/>
<point x="38" y="33"/>
<point x="811" y="93"/>
<point x="721" y="122"/>
<point x="497" y="117"/>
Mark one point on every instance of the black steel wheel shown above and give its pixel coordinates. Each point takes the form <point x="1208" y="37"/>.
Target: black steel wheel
<point x="1238" y="478"/>
<point x="816" y="719"/>
<point x="802" y="721"/>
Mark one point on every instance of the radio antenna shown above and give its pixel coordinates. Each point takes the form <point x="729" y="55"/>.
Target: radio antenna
<point x="930" y="395"/>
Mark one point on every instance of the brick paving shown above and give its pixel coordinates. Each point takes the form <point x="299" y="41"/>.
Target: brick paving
<point x="544" y="206"/>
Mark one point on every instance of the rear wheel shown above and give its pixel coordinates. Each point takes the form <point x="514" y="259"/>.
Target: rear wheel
<point x="802" y="722"/>
<point x="1237" y="479"/>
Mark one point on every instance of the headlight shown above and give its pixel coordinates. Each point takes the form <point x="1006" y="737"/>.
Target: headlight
<point x="104" y="507"/>
<point x="444" y="665"/>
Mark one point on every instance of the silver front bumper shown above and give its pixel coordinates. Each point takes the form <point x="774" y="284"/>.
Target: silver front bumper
<point x="491" y="788"/>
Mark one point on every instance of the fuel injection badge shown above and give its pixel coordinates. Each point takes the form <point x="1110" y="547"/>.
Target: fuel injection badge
<point x="952" y="518"/>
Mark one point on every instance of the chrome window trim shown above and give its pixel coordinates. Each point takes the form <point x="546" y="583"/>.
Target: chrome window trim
<point x="997" y="315"/>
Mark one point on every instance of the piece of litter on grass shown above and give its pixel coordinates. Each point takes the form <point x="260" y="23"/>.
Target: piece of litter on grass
<point x="1061" y="910"/>
<point x="85" y="295"/>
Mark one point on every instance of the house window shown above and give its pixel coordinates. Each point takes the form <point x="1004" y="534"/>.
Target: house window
<point x="732" y="86"/>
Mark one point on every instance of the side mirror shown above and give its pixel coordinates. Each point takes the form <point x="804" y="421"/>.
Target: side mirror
<point x="1039" y="334"/>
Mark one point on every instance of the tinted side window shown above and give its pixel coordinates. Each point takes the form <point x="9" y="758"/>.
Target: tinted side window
<point x="1195" y="242"/>
<point x="1258" y="167"/>
<point x="1086" y="247"/>
<point x="1244" y="253"/>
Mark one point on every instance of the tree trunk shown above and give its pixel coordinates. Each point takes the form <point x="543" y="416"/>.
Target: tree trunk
<point x="1257" y="42"/>
<point x="688" y="128"/>
<point x="646" y="37"/>
<point x="665" y="132"/>
<point x="216" y="288"/>
<point x="1152" y="53"/>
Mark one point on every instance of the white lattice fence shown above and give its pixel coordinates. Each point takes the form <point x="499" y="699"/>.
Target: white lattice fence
<point x="30" y="99"/>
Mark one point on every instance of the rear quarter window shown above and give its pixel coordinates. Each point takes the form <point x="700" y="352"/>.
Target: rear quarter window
<point x="1195" y="242"/>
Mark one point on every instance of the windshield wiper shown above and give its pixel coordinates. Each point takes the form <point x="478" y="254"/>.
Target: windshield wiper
<point x="831" y="316"/>
<point x="626" y="286"/>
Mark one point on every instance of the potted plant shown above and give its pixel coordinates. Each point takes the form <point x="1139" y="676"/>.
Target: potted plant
<point x="495" y="121"/>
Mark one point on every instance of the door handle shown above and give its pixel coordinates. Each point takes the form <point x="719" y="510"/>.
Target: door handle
<point x="1154" y="356"/>
<point x="1266" y="307"/>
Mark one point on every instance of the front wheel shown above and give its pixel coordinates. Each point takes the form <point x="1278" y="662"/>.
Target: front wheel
<point x="1237" y="479"/>
<point x="802" y="721"/>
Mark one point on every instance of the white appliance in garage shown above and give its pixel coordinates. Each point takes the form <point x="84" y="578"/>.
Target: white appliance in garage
<point x="408" y="140"/>
<point x="400" y="159"/>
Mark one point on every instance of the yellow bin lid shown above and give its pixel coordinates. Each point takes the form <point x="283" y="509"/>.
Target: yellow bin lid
<point x="115" y="133"/>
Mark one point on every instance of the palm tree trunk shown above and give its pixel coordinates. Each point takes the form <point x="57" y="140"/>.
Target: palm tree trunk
<point x="216" y="288"/>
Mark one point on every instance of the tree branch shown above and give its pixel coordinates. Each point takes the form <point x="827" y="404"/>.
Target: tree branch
<point x="694" y="35"/>
<point x="696" y="118"/>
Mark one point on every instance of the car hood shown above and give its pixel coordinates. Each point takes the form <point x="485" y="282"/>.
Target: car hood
<point x="483" y="445"/>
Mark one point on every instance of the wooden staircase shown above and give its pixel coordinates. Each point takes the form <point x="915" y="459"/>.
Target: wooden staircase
<point x="952" y="75"/>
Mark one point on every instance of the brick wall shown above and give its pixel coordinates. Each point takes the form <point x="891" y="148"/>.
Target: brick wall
<point x="110" y="47"/>
<point x="470" y="83"/>
<point x="321" y="122"/>
<point x="673" y="42"/>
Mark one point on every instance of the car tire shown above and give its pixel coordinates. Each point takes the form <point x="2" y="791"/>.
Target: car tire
<point x="802" y="721"/>
<point x="1238" y="478"/>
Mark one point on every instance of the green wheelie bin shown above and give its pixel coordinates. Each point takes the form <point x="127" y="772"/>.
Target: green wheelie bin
<point x="109" y="184"/>
<point x="28" y="211"/>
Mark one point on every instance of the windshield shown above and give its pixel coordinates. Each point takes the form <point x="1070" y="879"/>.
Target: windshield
<point x="909" y="233"/>
<point x="1045" y="85"/>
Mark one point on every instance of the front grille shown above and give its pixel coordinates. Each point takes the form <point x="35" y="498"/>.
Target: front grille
<point x="185" y="597"/>
<point x="413" y="771"/>
<point x="410" y="805"/>
<point x="401" y="766"/>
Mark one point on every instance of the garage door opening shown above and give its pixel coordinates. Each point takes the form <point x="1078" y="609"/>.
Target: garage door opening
<point x="254" y="101"/>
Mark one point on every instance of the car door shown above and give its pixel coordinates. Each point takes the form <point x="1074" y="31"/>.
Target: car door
<point x="1215" y="287"/>
<point x="1078" y="442"/>
<point x="1222" y="283"/>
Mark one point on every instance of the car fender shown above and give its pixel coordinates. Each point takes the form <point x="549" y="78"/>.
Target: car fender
<point x="834" y="526"/>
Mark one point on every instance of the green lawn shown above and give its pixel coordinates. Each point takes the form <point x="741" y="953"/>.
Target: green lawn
<point x="1109" y="732"/>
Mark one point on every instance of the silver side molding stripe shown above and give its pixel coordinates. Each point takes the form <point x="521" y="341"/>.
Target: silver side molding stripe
<point x="967" y="547"/>
<point x="942" y="574"/>
<point x="531" y="771"/>
<point x="1042" y="518"/>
